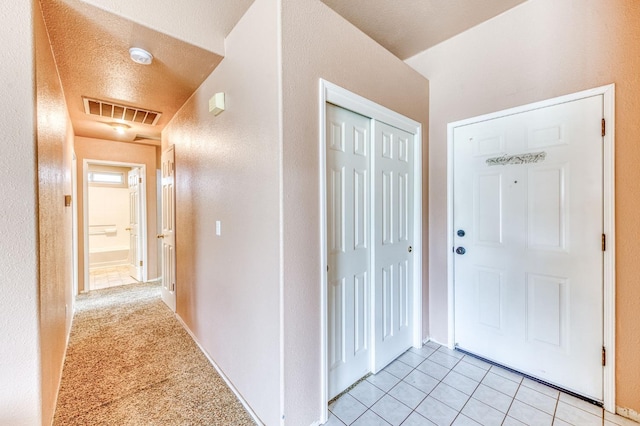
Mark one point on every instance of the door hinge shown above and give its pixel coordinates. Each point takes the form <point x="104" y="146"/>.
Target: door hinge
<point x="604" y="356"/>
<point x="604" y="242"/>
<point x="141" y="263"/>
<point x="604" y="127"/>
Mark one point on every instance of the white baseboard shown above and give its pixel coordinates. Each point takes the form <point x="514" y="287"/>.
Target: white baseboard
<point x="224" y="377"/>
<point x="628" y="413"/>
<point x="439" y="343"/>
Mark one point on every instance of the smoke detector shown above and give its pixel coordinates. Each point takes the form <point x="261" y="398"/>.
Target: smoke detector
<point x="140" y="56"/>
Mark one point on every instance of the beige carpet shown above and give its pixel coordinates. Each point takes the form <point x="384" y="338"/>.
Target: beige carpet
<point x="130" y="362"/>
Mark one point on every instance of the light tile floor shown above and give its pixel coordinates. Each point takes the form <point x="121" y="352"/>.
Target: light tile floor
<point x="437" y="386"/>
<point x="111" y="276"/>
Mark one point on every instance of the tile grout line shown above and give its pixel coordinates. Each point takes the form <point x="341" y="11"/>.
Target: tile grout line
<point x="422" y="358"/>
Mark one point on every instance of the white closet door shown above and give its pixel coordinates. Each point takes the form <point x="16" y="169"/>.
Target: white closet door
<point x="348" y="223"/>
<point x="393" y="234"/>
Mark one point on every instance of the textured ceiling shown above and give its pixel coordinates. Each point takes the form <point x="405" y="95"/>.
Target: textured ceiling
<point x="204" y="23"/>
<point x="407" y="27"/>
<point x="91" y="42"/>
<point x="91" y="47"/>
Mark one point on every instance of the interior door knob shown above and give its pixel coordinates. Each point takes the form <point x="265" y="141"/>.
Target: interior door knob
<point x="127" y="229"/>
<point x="160" y="236"/>
<point x="461" y="250"/>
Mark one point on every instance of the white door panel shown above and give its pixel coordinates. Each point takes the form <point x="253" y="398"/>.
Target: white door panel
<point x="528" y="290"/>
<point x="134" y="180"/>
<point x="348" y="221"/>
<point x="393" y="242"/>
<point x="168" y="290"/>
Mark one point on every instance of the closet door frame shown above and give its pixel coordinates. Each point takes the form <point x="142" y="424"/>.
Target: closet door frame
<point x="331" y="93"/>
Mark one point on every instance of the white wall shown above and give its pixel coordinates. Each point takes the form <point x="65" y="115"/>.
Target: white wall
<point x="19" y="341"/>
<point x="108" y="206"/>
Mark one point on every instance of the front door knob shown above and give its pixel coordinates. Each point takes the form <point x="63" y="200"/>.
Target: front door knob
<point x="461" y="250"/>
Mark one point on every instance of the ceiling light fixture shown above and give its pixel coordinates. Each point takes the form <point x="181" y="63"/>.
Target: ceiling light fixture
<point x="140" y="56"/>
<point x="120" y="128"/>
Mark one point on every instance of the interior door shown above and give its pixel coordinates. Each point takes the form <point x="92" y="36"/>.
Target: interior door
<point x="528" y="222"/>
<point x="135" y="240"/>
<point x="168" y="229"/>
<point x="393" y="235"/>
<point x="348" y="227"/>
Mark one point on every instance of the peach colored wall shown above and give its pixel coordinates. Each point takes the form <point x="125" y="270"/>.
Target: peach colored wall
<point x="318" y="43"/>
<point x="539" y="50"/>
<point x="55" y="150"/>
<point x="227" y="170"/>
<point x="103" y="150"/>
<point x="20" y="384"/>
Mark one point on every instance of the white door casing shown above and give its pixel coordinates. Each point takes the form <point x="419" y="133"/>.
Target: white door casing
<point x="348" y="222"/>
<point x="393" y="236"/>
<point x="528" y="211"/>
<point x="134" y="180"/>
<point x="167" y="237"/>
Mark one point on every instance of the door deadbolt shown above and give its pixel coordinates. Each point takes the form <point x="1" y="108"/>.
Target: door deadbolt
<point x="410" y="249"/>
<point x="461" y="233"/>
<point x="461" y="250"/>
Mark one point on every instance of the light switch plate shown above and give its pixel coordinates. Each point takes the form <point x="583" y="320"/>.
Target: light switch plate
<point x="218" y="227"/>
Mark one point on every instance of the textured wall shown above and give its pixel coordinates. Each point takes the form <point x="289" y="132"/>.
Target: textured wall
<point x="227" y="170"/>
<point x="19" y="342"/>
<point x="317" y="43"/>
<point x="103" y="150"/>
<point x="539" y="50"/>
<point x="55" y="150"/>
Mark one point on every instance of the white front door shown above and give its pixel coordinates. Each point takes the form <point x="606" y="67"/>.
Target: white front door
<point x="168" y="229"/>
<point x="135" y="240"/>
<point x="528" y="220"/>
<point x="393" y="242"/>
<point x="348" y="244"/>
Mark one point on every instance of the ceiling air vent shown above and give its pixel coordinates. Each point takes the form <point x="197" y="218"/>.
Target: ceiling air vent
<point x="120" y="112"/>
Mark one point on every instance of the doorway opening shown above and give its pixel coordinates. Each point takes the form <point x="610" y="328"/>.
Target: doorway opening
<point x="114" y="223"/>
<point x="370" y="202"/>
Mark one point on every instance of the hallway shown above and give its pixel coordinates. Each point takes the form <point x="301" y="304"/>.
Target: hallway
<point x="130" y="362"/>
